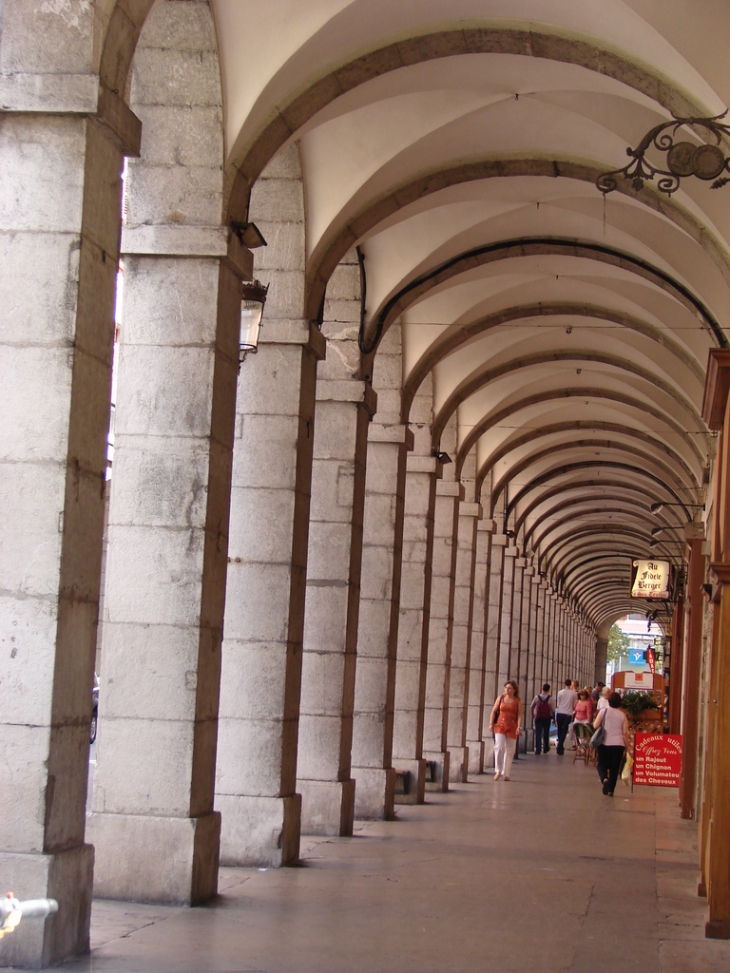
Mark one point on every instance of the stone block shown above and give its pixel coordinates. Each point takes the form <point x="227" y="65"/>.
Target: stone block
<point x="175" y="77"/>
<point x="281" y="200"/>
<point x="322" y="681"/>
<point x="328" y="807"/>
<point x="66" y="877"/>
<point x="174" y="194"/>
<point x="371" y="687"/>
<point x="129" y="783"/>
<point x="268" y="444"/>
<point x="325" y="618"/>
<point x="329" y="552"/>
<point x="407" y="685"/>
<point x="284" y="165"/>
<point x="169" y="301"/>
<point x="382" y="471"/>
<point x="368" y="741"/>
<point x="250" y="757"/>
<point x="333" y="490"/>
<point x="409" y="635"/>
<point x="176" y="403"/>
<point x="253" y="680"/>
<point x="377" y="573"/>
<point x="257" y="602"/>
<point x="27" y="637"/>
<point x="285" y="300"/>
<point x="161" y="482"/>
<point x="167" y="655"/>
<point x="285" y="249"/>
<point x="23" y="779"/>
<point x="271" y="385"/>
<point x="170" y="860"/>
<point x="374" y="797"/>
<point x="53" y="149"/>
<point x="37" y="306"/>
<point x="259" y="831"/>
<point x="476" y="757"/>
<point x="34" y="492"/>
<point x="335" y="431"/>
<point x="319" y="748"/>
<point x="154" y="575"/>
<point x="417" y="771"/>
<point x="373" y="629"/>
<point x="261" y="526"/>
<point x="189" y="28"/>
<point x="34" y="409"/>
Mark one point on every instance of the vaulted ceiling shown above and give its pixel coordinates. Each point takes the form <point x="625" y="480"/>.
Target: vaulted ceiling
<point x="457" y="143"/>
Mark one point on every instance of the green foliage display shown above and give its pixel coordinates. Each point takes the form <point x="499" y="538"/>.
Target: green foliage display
<point x="635" y="703"/>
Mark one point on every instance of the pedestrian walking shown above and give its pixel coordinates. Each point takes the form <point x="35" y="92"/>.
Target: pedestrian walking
<point x="564" y="709"/>
<point x="506" y="723"/>
<point x="614" y="744"/>
<point x="543" y="711"/>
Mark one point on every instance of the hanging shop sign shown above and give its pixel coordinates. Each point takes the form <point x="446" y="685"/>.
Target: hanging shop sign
<point x="651" y="659"/>
<point x="651" y="579"/>
<point x="657" y="759"/>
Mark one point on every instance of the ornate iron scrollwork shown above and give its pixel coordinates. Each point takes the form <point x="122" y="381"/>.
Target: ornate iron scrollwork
<point x="706" y="161"/>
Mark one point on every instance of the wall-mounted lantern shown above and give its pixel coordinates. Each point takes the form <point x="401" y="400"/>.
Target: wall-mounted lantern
<point x="253" y="299"/>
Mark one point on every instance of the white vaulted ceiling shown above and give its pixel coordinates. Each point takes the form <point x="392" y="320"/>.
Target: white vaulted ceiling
<point x="457" y="143"/>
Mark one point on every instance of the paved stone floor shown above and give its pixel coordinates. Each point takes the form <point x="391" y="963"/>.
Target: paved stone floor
<point x="541" y="874"/>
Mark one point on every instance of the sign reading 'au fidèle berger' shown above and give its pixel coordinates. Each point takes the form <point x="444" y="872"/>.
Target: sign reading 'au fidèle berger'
<point x="650" y="579"/>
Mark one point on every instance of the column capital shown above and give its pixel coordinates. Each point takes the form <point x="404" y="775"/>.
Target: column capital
<point x="421" y="464"/>
<point x="397" y="434"/>
<point x="353" y="390"/>
<point x="471" y="510"/>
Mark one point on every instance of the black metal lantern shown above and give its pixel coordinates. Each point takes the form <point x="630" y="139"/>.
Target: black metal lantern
<point x="253" y="299"/>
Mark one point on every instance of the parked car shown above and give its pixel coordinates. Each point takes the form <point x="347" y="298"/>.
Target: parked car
<point x="94" y="708"/>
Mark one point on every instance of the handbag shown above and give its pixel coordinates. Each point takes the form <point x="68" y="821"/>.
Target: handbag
<point x="496" y="715"/>
<point x="597" y="739"/>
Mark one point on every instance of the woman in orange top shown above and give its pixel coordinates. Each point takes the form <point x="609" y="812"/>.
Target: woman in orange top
<point x="506" y="723"/>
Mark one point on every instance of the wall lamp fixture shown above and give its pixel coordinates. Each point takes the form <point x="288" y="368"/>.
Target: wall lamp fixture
<point x="253" y="299"/>
<point x="443" y="458"/>
<point x="248" y="234"/>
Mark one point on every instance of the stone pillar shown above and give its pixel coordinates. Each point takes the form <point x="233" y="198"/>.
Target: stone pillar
<point x="436" y="716"/>
<point x="377" y="638"/>
<point x="345" y="405"/>
<point x="477" y="675"/>
<point x="170" y="495"/>
<point x="413" y="628"/>
<point x="469" y="514"/>
<point x="62" y="140"/>
<point x="505" y="628"/>
<point x="495" y="582"/>
<point x="270" y="498"/>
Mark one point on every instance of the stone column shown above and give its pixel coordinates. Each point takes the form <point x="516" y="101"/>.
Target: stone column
<point x="270" y="498"/>
<point x="377" y="638"/>
<point x="477" y="675"/>
<point x="495" y="582"/>
<point x="436" y="715"/>
<point x="262" y="650"/>
<point x="413" y="628"/>
<point x="170" y="495"/>
<point x="469" y="514"/>
<point x="505" y="628"/>
<point x="345" y="405"/>
<point x="378" y="627"/>
<point x="61" y="145"/>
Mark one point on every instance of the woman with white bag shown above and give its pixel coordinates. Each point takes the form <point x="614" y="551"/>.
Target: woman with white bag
<point x="614" y="743"/>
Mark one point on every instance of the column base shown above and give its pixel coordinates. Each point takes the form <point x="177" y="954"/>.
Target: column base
<point x="416" y="769"/>
<point x="328" y="807"/>
<point x="488" y="754"/>
<point x="66" y="877"/>
<point x="439" y="780"/>
<point x="261" y="831"/>
<point x="717" y="930"/>
<point x="374" y="794"/>
<point x="141" y="858"/>
<point x="458" y="765"/>
<point x="476" y="756"/>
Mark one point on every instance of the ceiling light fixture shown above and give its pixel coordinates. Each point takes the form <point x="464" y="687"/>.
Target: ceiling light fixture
<point x="706" y="161"/>
<point x="656" y="508"/>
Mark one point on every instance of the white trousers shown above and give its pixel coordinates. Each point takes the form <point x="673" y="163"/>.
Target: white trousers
<point x="504" y="751"/>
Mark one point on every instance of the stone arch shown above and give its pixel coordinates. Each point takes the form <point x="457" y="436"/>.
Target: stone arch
<point x="249" y="160"/>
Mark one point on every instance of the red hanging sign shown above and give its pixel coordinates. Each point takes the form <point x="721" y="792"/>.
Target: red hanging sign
<point x="651" y="659"/>
<point x="658" y="759"/>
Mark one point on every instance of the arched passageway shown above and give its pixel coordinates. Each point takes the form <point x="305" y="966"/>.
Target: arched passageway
<point x="483" y="389"/>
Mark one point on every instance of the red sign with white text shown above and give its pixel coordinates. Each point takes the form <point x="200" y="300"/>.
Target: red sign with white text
<point x="651" y="659"/>
<point x="657" y="759"/>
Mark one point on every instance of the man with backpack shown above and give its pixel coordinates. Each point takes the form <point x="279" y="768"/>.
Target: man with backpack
<point x="543" y="711"/>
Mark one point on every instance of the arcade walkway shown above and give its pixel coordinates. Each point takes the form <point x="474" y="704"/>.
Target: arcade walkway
<point x="541" y="874"/>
